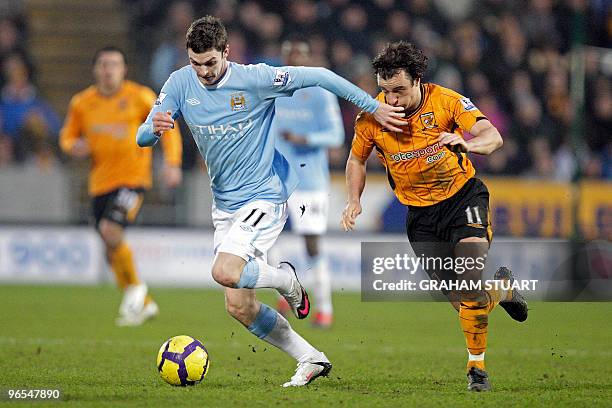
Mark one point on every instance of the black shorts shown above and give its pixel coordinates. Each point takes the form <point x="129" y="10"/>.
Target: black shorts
<point x="465" y="214"/>
<point x="120" y="206"/>
<point x="435" y="230"/>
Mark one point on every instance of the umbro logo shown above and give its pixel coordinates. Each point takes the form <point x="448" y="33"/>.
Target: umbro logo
<point x="193" y="101"/>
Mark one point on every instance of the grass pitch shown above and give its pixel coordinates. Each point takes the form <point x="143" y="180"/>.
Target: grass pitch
<point x="384" y="354"/>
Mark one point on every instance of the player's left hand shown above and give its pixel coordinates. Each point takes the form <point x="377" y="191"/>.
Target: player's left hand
<point x="454" y="142"/>
<point x="293" y="138"/>
<point x="173" y="176"/>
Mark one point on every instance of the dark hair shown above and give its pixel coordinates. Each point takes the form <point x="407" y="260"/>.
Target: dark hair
<point x="397" y="56"/>
<point x="110" y="48"/>
<point x="205" y="34"/>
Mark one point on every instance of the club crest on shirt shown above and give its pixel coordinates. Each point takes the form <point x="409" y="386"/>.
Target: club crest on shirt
<point x="428" y="120"/>
<point x="238" y="102"/>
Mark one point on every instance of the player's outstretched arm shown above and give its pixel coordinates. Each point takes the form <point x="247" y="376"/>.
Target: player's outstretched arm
<point x="387" y="115"/>
<point x="331" y="129"/>
<point x="355" y="183"/>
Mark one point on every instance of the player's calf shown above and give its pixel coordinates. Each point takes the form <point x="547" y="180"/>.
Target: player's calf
<point x="241" y="305"/>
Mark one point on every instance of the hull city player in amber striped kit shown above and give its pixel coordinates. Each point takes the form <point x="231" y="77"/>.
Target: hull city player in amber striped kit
<point x="429" y="171"/>
<point x="101" y="123"/>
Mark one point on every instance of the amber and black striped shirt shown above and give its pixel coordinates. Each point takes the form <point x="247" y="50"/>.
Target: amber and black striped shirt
<point x="420" y="171"/>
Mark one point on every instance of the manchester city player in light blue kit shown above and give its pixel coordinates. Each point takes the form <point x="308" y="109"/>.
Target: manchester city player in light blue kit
<point x="305" y="126"/>
<point x="229" y="108"/>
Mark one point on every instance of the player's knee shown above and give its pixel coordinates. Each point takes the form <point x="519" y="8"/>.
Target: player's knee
<point x="476" y="298"/>
<point x="225" y="274"/>
<point x="111" y="233"/>
<point x="220" y="275"/>
<point x="454" y="298"/>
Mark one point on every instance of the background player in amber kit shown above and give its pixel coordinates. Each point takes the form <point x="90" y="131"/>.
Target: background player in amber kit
<point x="429" y="171"/>
<point x="101" y="123"/>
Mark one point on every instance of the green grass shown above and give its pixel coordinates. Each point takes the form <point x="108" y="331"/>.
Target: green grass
<point x="384" y="354"/>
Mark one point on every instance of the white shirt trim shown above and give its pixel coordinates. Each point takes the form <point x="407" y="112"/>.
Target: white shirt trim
<point x="219" y="84"/>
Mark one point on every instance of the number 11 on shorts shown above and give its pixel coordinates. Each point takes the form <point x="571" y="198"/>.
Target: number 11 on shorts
<point x="470" y="217"/>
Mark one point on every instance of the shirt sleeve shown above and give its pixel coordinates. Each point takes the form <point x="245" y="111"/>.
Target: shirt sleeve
<point x="167" y="100"/>
<point x="71" y="131"/>
<point x="284" y="81"/>
<point x="363" y="141"/>
<point x="464" y="112"/>
<point x="171" y="141"/>
<point x="331" y="130"/>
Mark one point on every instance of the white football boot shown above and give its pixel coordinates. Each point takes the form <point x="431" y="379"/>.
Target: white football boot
<point x="150" y="311"/>
<point x="132" y="308"/>
<point x="297" y="298"/>
<point x="307" y="371"/>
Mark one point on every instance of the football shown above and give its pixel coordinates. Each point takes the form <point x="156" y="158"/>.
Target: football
<point x="182" y="360"/>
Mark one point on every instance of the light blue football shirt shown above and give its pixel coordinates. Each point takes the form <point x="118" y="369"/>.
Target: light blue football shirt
<point x="230" y="123"/>
<point x="312" y="113"/>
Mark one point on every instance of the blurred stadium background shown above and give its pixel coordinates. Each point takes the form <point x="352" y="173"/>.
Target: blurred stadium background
<point x="541" y="70"/>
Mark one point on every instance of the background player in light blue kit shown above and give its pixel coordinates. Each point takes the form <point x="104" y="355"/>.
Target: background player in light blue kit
<point x="229" y="108"/>
<point x="305" y="125"/>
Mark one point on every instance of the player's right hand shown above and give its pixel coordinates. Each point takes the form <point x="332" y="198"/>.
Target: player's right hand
<point x="350" y="213"/>
<point x="390" y="116"/>
<point x="162" y="121"/>
<point x="80" y="149"/>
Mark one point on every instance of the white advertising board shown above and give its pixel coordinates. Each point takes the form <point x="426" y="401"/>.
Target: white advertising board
<point x="49" y="255"/>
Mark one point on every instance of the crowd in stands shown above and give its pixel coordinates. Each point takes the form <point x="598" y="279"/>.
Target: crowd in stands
<point x="513" y="58"/>
<point x="29" y="126"/>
